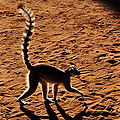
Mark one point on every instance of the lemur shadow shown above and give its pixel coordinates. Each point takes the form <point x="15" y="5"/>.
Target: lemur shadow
<point x="78" y="116"/>
<point x="31" y="114"/>
<point x="52" y="114"/>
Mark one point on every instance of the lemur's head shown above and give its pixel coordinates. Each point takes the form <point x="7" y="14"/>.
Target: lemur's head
<point x="72" y="71"/>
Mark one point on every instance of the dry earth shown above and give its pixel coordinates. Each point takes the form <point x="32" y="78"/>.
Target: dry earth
<point x="83" y="32"/>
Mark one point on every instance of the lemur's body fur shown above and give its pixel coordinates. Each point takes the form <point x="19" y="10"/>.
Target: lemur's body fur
<point x="42" y="73"/>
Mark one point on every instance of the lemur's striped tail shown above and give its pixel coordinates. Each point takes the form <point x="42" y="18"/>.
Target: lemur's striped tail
<point x="28" y="32"/>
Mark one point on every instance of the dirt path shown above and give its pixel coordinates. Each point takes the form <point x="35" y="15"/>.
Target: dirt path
<point x="83" y="32"/>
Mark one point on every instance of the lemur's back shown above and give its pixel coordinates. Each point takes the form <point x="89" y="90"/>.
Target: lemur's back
<point x="49" y="73"/>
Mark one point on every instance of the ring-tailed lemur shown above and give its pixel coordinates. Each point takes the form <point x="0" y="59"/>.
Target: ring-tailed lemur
<point x="42" y="73"/>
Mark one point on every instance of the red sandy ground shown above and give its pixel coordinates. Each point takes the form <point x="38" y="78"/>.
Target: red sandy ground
<point x="83" y="32"/>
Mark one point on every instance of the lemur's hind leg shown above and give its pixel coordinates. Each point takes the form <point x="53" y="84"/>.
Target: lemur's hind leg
<point x="44" y="89"/>
<point x="55" y="90"/>
<point x="32" y="84"/>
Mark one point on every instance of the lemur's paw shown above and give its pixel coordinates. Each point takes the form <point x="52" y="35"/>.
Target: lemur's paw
<point x="55" y="100"/>
<point x="22" y="102"/>
<point x="48" y="100"/>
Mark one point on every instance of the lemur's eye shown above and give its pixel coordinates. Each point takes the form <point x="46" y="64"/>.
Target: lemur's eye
<point x="71" y="71"/>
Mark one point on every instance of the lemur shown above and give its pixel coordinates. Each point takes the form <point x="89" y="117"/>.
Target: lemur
<point x="42" y="73"/>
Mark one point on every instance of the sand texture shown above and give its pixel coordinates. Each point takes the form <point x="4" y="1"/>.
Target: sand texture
<point x="83" y="32"/>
